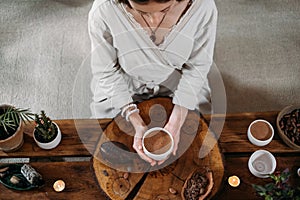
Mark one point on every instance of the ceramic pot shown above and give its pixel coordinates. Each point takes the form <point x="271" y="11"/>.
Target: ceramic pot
<point x="161" y="155"/>
<point x="15" y="141"/>
<point x="262" y="163"/>
<point x="52" y="144"/>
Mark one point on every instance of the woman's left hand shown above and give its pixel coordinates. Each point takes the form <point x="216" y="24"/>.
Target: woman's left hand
<point x="174" y="125"/>
<point x="175" y="131"/>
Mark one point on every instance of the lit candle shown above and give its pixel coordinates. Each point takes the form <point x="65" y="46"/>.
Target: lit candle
<point x="234" y="181"/>
<point x="298" y="172"/>
<point x="59" y="185"/>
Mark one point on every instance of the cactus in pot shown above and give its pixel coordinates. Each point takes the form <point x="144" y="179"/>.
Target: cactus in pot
<point x="46" y="131"/>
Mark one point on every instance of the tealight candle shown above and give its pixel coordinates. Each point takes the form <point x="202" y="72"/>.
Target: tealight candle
<point x="59" y="185"/>
<point x="234" y="181"/>
<point x="298" y="172"/>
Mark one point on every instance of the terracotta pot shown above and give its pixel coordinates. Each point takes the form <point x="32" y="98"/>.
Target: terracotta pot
<point x="15" y="141"/>
<point x="53" y="143"/>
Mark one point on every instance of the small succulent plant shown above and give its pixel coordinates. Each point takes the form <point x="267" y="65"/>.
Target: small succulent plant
<point x="45" y="129"/>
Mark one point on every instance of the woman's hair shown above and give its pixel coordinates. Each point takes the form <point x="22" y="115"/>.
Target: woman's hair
<point x="144" y="1"/>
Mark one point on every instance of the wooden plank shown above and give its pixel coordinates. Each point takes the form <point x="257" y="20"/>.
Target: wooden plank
<point x="78" y="139"/>
<point x="78" y="177"/>
<point x="234" y="139"/>
<point x="114" y="182"/>
<point x="239" y="166"/>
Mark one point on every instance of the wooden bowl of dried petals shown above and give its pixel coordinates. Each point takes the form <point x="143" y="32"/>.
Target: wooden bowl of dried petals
<point x="288" y="126"/>
<point x="198" y="185"/>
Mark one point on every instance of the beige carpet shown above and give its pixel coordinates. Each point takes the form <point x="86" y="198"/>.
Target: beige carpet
<point x="44" y="44"/>
<point x="258" y="53"/>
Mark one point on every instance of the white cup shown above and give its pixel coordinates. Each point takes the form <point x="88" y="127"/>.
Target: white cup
<point x="266" y="126"/>
<point x="167" y="150"/>
<point x="262" y="163"/>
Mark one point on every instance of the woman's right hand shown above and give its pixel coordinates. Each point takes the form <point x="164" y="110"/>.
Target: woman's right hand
<point x="140" y="129"/>
<point x="137" y="145"/>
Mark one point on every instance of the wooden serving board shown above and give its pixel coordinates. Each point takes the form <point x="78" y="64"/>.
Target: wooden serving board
<point x="156" y="183"/>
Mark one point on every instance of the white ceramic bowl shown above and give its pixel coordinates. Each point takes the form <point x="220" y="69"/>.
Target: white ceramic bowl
<point x="256" y="141"/>
<point x="53" y="143"/>
<point x="262" y="163"/>
<point x="154" y="156"/>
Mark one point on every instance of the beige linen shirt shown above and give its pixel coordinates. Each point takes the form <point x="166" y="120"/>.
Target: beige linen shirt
<point x="125" y="61"/>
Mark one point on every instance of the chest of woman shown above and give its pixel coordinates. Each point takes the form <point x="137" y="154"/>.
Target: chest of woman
<point x="135" y="49"/>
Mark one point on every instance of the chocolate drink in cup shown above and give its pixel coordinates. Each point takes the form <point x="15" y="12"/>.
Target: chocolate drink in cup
<point x="261" y="130"/>
<point x="157" y="142"/>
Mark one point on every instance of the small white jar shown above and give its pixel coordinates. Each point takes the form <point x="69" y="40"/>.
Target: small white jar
<point x="262" y="163"/>
<point x="256" y="141"/>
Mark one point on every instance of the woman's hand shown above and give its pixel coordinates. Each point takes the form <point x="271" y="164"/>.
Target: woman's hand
<point x="140" y="129"/>
<point x="174" y="125"/>
<point x="137" y="145"/>
<point x="174" y="129"/>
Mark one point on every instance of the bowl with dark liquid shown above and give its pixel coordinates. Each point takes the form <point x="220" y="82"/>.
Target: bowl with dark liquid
<point x="158" y="143"/>
<point x="260" y="132"/>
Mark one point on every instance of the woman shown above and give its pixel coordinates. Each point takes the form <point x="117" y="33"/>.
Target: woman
<point x="146" y="48"/>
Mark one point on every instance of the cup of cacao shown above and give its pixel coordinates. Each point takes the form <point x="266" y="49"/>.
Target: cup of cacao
<point x="158" y="143"/>
<point x="260" y="132"/>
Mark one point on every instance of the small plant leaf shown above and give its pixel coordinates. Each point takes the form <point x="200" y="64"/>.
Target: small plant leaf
<point x="268" y="197"/>
<point x="269" y="186"/>
<point x="259" y="188"/>
<point x="10" y="119"/>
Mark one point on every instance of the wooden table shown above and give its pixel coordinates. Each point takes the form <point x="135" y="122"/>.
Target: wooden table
<point x="237" y="150"/>
<point x="80" y="180"/>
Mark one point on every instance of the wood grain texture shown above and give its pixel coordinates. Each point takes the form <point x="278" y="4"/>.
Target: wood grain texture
<point x="158" y="181"/>
<point x="234" y="139"/>
<point x="81" y="183"/>
<point x="77" y="176"/>
<point x="239" y="166"/>
<point x="78" y="139"/>
<point x="237" y="150"/>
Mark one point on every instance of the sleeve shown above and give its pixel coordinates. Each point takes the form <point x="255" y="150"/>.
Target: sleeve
<point x="107" y="83"/>
<point x="195" y="71"/>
